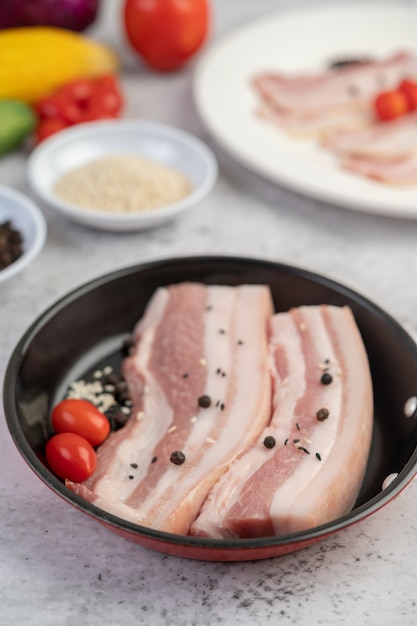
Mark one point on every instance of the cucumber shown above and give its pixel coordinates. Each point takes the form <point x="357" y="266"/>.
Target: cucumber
<point x="17" y="121"/>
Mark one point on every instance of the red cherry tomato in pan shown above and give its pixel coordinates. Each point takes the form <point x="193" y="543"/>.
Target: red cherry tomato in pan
<point x="82" y="418"/>
<point x="70" y="457"/>
<point x="166" y="33"/>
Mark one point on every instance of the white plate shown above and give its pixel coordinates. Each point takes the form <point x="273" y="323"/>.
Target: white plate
<point x="299" y="41"/>
<point x="27" y="218"/>
<point x="80" y="144"/>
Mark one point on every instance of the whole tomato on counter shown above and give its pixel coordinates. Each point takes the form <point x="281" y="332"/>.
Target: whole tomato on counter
<point x="166" y="33"/>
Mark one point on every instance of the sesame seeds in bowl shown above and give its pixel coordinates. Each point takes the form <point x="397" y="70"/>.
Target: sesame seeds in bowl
<point x="122" y="175"/>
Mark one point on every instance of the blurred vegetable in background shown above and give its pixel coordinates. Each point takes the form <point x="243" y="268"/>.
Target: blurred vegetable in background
<point x="36" y="60"/>
<point x="166" y="33"/>
<point x="72" y="14"/>
<point x="76" y="102"/>
<point x="17" y="121"/>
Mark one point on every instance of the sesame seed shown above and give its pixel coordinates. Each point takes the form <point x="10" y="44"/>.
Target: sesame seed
<point x="131" y="477"/>
<point x="239" y="342"/>
<point x="302" y="326"/>
<point x="318" y="457"/>
<point x="203" y="361"/>
<point x="154" y="459"/>
<point x="107" y="370"/>
<point x="98" y="374"/>
<point x="140" y="415"/>
<point x="185" y="375"/>
<point x="134" y="465"/>
<point x="303" y="449"/>
<point x="210" y="440"/>
<point x="125" y="410"/>
<point x="222" y="331"/>
<point x="172" y="429"/>
<point x="222" y="406"/>
<point x="193" y="419"/>
<point x="286" y="441"/>
<point x="297" y="425"/>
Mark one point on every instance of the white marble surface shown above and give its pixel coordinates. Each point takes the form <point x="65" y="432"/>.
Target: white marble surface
<point x="59" y="567"/>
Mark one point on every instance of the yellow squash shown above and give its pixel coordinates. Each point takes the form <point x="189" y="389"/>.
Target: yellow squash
<point x="36" y="60"/>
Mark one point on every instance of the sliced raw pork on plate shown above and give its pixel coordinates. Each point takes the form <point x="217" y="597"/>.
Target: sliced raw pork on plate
<point x="387" y="140"/>
<point x="307" y="466"/>
<point x="402" y="171"/>
<point x="305" y="124"/>
<point x="349" y="86"/>
<point x="201" y="391"/>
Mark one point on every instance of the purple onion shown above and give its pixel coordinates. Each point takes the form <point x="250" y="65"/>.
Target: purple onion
<point x="74" y="15"/>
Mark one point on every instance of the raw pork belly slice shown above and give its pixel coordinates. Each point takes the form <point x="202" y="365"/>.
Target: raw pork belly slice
<point x="193" y="341"/>
<point x="351" y="86"/>
<point x="310" y="124"/>
<point x="393" y="171"/>
<point x="322" y="432"/>
<point x="388" y="140"/>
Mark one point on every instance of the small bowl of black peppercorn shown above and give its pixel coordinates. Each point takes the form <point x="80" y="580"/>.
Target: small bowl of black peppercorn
<point x="22" y="232"/>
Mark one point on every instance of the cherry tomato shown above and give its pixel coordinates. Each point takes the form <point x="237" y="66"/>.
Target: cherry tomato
<point x="70" y="457"/>
<point x="81" y="417"/>
<point x="166" y="33"/>
<point x="390" y="104"/>
<point x="78" y="92"/>
<point x="409" y="89"/>
<point x="48" y="127"/>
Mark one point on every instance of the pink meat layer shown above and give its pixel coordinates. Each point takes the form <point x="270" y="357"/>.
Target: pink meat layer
<point x="400" y="171"/>
<point x="388" y="140"/>
<point x="193" y="341"/>
<point x="314" y="472"/>
<point x="322" y="123"/>
<point x="352" y="86"/>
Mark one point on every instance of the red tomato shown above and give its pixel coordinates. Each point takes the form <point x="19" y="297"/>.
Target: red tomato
<point x="78" y="92"/>
<point x="409" y="89"/>
<point x="48" y="127"/>
<point x="81" y="417"/>
<point x="166" y="33"/>
<point x="70" y="457"/>
<point x="107" y="83"/>
<point x="390" y="104"/>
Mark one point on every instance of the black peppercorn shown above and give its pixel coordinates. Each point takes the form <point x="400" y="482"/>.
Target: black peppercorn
<point x="326" y="379"/>
<point x="204" y="401"/>
<point x="269" y="442"/>
<point x="177" y="457"/>
<point x="322" y="414"/>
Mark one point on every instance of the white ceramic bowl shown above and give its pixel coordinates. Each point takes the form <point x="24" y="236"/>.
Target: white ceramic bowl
<point x="27" y="218"/>
<point x="83" y="143"/>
